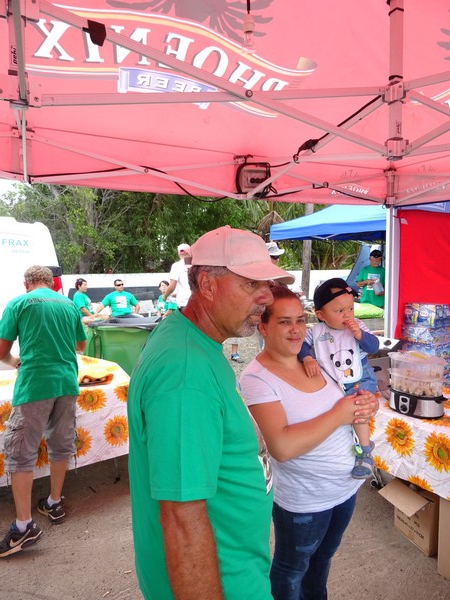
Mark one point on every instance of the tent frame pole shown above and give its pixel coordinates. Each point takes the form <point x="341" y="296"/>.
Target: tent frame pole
<point x="394" y="94"/>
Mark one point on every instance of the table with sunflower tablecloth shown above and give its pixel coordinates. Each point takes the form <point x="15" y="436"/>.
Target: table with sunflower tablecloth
<point x="412" y="449"/>
<point x="101" y="429"/>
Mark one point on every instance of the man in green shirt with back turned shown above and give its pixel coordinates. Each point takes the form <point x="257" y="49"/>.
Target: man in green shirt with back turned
<point x="50" y="332"/>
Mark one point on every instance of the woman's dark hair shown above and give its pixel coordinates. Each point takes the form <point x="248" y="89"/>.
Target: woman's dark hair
<point x="78" y="282"/>
<point x="279" y="292"/>
<point x="163" y="281"/>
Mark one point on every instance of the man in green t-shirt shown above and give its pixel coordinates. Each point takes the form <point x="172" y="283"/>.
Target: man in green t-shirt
<point x="199" y="473"/>
<point x="50" y="331"/>
<point x="122" y="304"/>
<point x="370" y="278"/>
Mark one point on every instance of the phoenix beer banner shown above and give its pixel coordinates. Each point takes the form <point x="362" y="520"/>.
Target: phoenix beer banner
<point x="335" y="102"/>
<point x="57" y="49"/>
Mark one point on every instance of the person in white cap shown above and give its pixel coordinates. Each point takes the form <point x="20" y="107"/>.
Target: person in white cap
<point x="179" y="285"/>
<point x="200" y="475"/>
<point x="274" y="251"/>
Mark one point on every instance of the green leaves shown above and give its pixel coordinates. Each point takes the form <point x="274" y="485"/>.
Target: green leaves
<point x="97" y="230"/>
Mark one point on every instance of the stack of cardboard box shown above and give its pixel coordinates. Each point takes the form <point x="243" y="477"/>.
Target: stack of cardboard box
<point x="424" y="518"/>
<point x="426" y="329"/>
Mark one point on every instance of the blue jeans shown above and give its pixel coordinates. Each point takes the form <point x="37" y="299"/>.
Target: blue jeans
<point x="368" y="380"/>
<point x="304" y="546"/>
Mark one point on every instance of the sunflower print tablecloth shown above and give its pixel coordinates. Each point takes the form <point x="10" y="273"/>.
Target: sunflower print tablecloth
<point x="416" y="450"/>
<point x="101" y="428"/>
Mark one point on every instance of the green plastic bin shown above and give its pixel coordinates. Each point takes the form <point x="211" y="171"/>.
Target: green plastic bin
<point x="119" y="340"/>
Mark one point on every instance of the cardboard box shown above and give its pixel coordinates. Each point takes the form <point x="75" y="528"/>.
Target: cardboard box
<point x="443" y="561"/>
<point x="416" y="514"/>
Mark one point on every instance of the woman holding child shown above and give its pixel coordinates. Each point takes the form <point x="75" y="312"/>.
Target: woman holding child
<point x="306" y="422"/>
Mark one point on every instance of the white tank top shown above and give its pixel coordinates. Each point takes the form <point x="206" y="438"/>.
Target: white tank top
<point x="321" y="478"/>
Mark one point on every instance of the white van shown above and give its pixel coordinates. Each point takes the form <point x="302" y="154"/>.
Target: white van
<point x="21" y="246"/>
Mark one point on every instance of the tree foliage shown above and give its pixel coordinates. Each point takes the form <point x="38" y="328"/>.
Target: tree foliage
<point x="325" y="255"/>
<point x="98" y="230"/>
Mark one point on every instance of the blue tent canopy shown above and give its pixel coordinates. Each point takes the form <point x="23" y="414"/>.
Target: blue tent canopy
<point x="338" y="222"/>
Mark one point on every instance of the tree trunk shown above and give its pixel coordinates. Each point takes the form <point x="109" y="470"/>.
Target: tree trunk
<point x="306" y="257"/>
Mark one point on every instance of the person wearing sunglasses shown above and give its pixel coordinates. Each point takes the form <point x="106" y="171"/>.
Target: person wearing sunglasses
<point x="121" y="303"/>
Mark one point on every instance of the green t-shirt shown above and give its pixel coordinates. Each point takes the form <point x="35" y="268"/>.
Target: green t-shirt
<point x="164" y="306"/>
<point x="82" y="300"/>
<point x="368" y="295"/>
<point x="48" y="326"/>
<point x="192" y="438"/>
<point x="120" y="303"/>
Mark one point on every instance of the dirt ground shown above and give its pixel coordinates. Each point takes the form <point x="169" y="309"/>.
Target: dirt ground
<point x="90" y="556"/>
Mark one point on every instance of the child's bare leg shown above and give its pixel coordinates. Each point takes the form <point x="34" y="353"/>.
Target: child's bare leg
<point x="362" y="430"/>
<point x="235" y="353"/>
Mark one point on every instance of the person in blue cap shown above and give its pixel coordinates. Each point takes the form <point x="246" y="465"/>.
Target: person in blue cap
<point x="341" y="344"/>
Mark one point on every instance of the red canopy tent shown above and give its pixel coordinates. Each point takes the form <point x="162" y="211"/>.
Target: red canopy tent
<point x="342" y="102"/>
<point x="423" y="258"/>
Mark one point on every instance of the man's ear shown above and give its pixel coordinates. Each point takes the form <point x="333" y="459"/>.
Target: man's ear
<point x="207" y="285"/>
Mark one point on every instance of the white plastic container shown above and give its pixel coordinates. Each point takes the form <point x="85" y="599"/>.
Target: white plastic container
<point x="378" y="287"/>
<point x="417" y="374"/>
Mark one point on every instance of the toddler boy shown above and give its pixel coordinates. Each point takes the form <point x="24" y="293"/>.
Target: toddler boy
<point x="341" y="344"/>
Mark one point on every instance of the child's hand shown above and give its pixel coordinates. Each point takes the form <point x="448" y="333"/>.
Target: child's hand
<point x="354" y="328"/>
<point x="311" y="366"/>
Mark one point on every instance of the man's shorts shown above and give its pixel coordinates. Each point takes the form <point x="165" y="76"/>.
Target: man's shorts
<point x="27" y="424"/>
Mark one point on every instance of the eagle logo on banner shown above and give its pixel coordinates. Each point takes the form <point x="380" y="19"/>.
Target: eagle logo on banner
<point x="224" y="16"/>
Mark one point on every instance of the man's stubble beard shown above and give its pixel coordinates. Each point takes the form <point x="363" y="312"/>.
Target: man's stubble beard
<point x="248" y="327"/>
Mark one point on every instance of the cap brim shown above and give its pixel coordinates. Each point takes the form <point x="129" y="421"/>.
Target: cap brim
<point x="262" y="271"/>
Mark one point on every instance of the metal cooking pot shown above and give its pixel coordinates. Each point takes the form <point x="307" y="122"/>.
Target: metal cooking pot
<point x="417" y="406"/>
